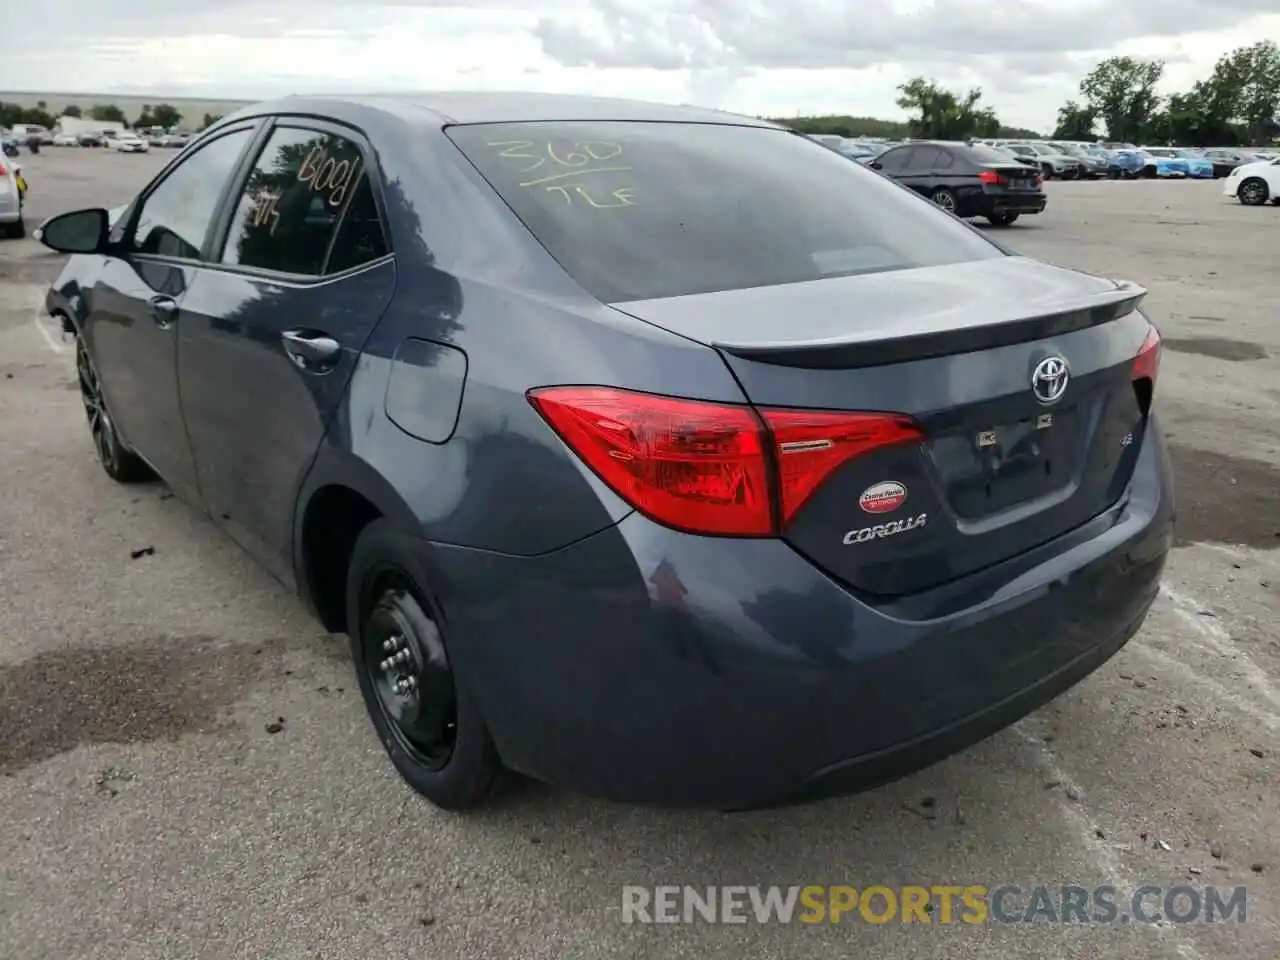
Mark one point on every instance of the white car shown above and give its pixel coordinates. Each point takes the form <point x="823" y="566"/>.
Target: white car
<point x="1253" y="184"/>
<point x="126" y="141"/>
<point x="66" y="140"/>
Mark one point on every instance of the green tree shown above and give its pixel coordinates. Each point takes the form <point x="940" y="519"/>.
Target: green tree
<point x="1255" y="73"/>
<point x="944" y="116"/>
<point x="1075" y="122"/>
<point x="71" y="110"/>
<point x="1122" y="93"/>
<point x="209" y="120"/>
<point x="144" y="118"/>
<point x="166" y="116"/>
<point x="107" y="113"/>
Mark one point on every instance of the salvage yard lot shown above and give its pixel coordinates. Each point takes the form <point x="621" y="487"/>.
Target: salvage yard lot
<point x="148" y="812"/>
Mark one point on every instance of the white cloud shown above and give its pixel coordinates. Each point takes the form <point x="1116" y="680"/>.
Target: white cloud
<point x="775" y="57"/>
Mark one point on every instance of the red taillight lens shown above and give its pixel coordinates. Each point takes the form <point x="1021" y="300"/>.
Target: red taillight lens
<point x="1147" y="363"/>
<point x="810" y="444"/>
<point x="3" y="170"/>
<point x="990" y="176"/>
<point x="711" y="468"/>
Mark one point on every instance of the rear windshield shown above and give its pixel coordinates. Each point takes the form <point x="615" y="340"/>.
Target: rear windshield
<point x="636" y="211"/>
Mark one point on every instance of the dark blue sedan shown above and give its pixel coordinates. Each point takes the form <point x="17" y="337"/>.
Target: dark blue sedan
<point x="653" y="451"/>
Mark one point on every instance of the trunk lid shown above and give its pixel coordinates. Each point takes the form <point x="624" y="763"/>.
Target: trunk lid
<point x="1005" y="464"/>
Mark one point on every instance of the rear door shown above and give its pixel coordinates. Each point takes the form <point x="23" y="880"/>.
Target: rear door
<point x="273" y="328"/>
<point x="919" y="170"/>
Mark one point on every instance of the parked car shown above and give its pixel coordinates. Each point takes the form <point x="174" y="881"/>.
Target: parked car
<point x="176" y="138"/>
<point x="702" y="467"/>
<point x="13" y="195"/>
<point x="1093" y="165"/>
<point x="1225" y="160"/>
<point x="126" y="141"/>
<point x="966" y="180"/>
<point x="92" y="138"/>
<point x="9" y="144"/>
<point x="66" y="140"/>
<point x="1125" y="164"/>
<point x="1254" y="184"/>
<point x="1199" y="166"/>
<point x="1162" y="162"/>
<point x="1050" y="161"/>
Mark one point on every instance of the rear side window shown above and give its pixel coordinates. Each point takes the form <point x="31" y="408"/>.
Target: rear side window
<point x="307" y="191"/>
<point x="635" y="211"/>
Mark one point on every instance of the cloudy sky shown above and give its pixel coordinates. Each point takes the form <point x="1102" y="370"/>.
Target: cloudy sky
<point x="773" y="57"/>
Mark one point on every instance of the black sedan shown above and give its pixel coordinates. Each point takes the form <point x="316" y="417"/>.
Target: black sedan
<point x="969" y="180"/>
<point x="644" y="449"/>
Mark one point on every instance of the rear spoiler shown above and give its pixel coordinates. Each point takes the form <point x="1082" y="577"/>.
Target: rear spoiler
<point x="852" y="353"/>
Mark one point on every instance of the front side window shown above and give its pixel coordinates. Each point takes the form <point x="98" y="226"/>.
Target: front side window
<point x="298" y="192"/>
<point x="640" y="210"/>
<point x="176" y="215"/>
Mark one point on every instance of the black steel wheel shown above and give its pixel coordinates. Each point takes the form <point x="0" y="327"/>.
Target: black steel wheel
<point x="409" y="669"/>
<point x="121" y="464"/>
<point x="429" y="723"/>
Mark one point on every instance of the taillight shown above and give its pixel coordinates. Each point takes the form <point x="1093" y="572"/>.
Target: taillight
<point x="1147" y="363"/>
<point x="990" y="176"/>
<point x="711" y="468"/>
<point x="810" y="444"/>
<point x="3" y="170"/>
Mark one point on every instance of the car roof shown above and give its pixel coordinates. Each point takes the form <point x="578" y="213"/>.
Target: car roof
<point x="462" y="107"/>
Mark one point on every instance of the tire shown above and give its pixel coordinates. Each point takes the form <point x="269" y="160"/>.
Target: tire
<point x="1253" y="192"/>
<point x="434" y="733"/>
<point x="945" y="199"/>
<point x="1114" y="174"/>
<point x="16" y="230"/>
<point x="121" y="464"/>
<point x="1047" y="171"/>
<point x="1002" y="219"/>
<point x="1148" y="173"/>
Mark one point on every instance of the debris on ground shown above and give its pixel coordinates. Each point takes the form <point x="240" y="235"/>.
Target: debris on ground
<point x="142" y="552"/>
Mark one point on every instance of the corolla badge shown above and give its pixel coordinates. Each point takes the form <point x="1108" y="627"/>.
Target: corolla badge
<point x="883" y="497"/>
<point x="1049" y="379"/>
<point x="882" y="530"/>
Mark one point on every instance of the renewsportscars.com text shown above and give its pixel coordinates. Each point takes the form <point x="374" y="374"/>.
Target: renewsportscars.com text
<point x="942" y="904"/>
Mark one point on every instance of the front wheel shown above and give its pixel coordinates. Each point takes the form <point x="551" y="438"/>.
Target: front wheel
<point x="1002" y="219"/>
<point x="121" y="465"/>
<point x="421" y="709"/>
<point x="1253" y="192"/>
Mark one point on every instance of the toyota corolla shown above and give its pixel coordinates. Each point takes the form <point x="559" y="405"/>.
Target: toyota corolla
<point x="652" y="451"/>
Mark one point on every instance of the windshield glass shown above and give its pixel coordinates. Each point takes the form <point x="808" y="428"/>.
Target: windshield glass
<point x="641" y="210"/>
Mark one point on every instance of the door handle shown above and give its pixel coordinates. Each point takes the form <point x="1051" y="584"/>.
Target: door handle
<point x="311" y="350"/>
<point x="164" y="311"/>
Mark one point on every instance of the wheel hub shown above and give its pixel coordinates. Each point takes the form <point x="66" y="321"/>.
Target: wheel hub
<point x="410" y="672"/>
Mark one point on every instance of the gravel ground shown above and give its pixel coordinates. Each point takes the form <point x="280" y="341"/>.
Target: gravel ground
<point x="149" y="813"/>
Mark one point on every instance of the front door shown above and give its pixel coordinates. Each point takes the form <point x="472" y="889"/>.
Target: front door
<point x="272" y="333"/>
<point x="135" y="308"/>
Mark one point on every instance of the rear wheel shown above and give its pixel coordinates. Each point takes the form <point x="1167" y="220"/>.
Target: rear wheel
<point x="944" y="198"/>
<point x="429" y="724"/>
<point x="1253" y="192"/>
<point x="16" y="230"/>
<point x="1002" y="219"/>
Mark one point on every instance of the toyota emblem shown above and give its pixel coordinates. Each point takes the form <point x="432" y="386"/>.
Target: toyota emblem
<point x="1049" y="380"/>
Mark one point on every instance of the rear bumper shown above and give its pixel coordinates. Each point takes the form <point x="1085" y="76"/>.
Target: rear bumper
<point x="994" y="204"/>
<point x="649" y="666"/>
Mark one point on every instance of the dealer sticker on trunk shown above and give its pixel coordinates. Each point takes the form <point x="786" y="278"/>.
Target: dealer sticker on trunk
<point x="883" y="497"/>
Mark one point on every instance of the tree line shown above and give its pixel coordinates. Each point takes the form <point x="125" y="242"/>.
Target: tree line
<point x="159" y="115"/>
<point x="1237" y="104"/>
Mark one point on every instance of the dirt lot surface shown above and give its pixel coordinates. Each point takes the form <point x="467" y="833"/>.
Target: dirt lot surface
<point x="148" y="812"/>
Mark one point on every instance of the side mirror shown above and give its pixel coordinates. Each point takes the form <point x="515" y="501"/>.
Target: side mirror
<point x="80" y="231"/>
